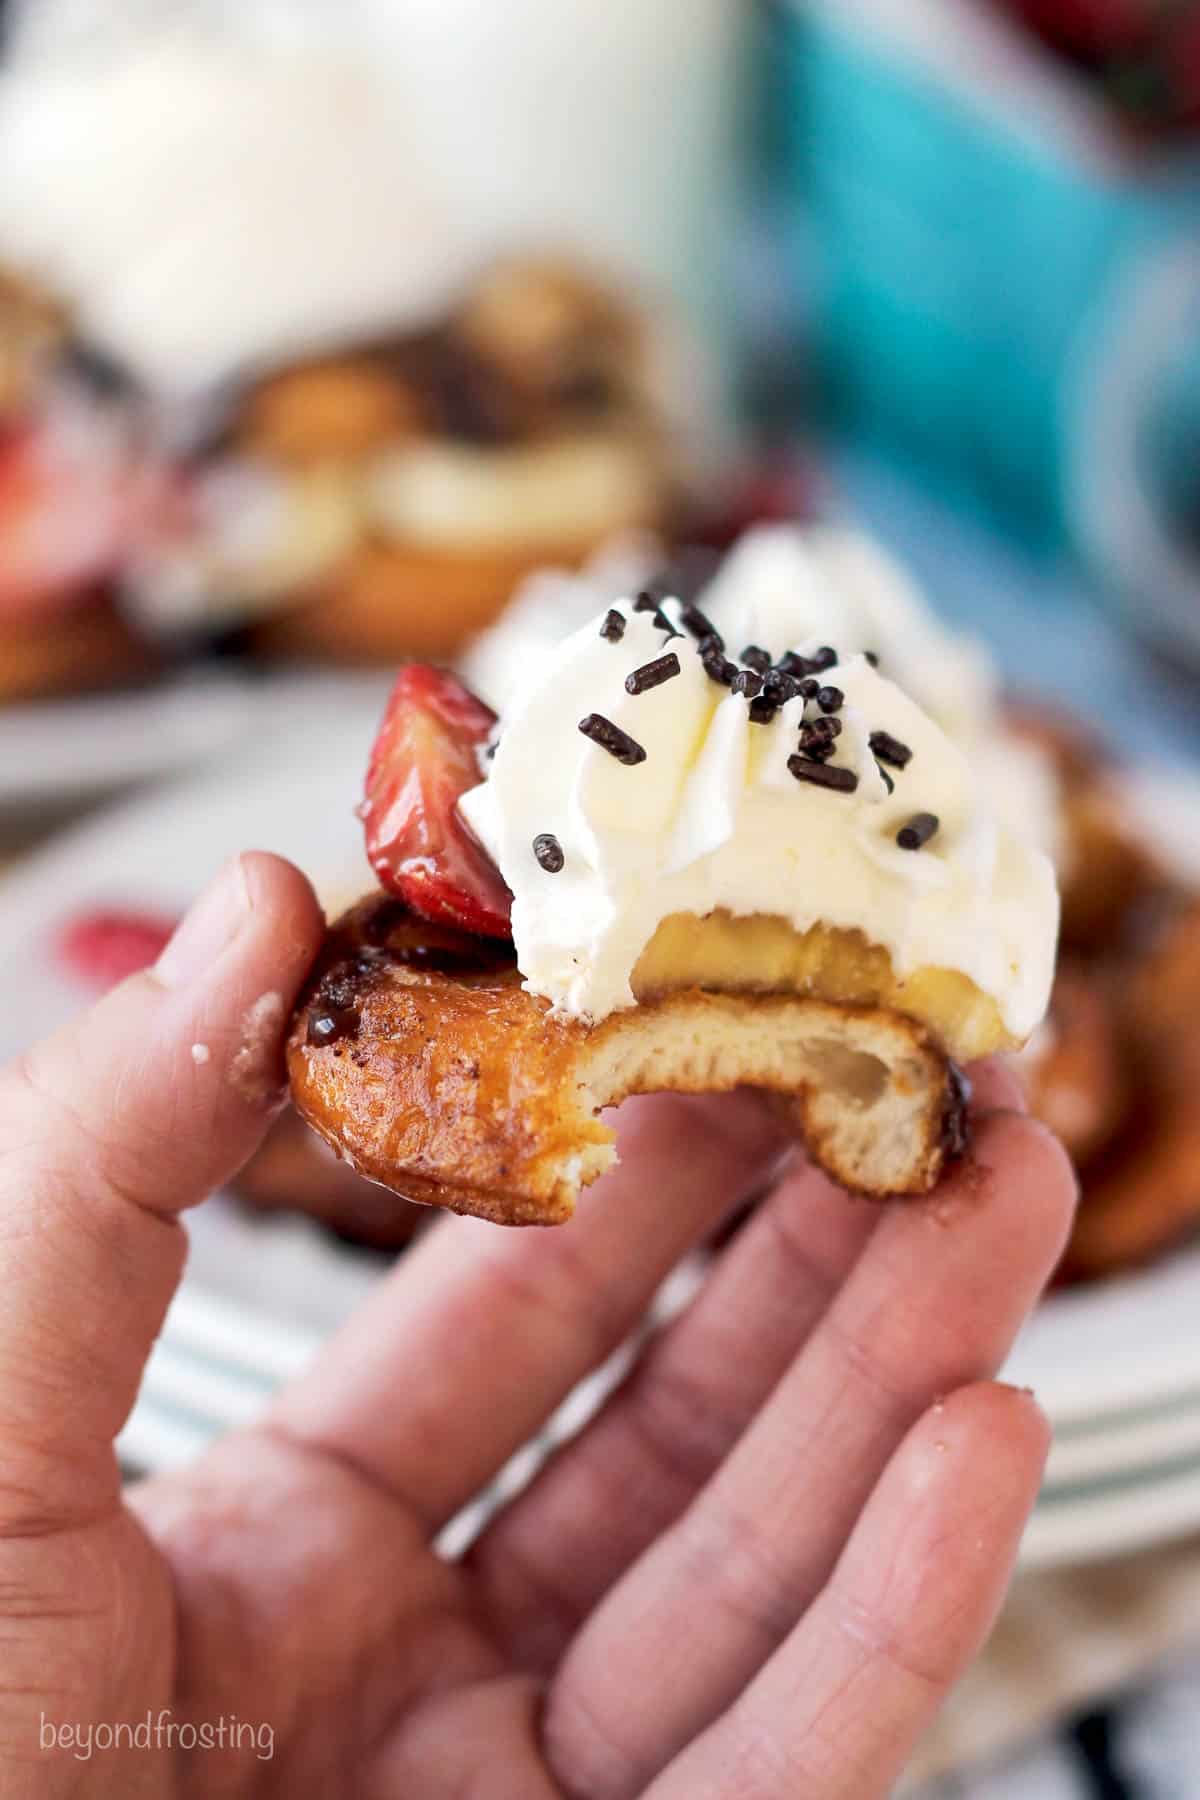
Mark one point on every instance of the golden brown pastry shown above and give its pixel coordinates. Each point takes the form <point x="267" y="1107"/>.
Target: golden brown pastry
<point x="89" y="646"/>
<point x="420" y="1058"/>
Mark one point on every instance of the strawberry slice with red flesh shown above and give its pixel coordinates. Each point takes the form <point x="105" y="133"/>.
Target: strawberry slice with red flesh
<point x="425" y="756"/>
<point x="98" y="949"/>
<point x="67" y="520"/>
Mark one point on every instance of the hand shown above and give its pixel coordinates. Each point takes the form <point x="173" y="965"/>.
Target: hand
<point x="757" y="1573"/>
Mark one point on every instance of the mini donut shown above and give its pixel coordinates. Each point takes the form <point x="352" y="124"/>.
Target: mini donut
<point x="1143" y="1197"/>
<point x="68" y="652"/>
<point x="1142" y="1193"/>
<point x="387" y="601"/>
<point x="419" y="1056"/>
<point x="1107" y="872"/>
<point x="1073" y="1067"/>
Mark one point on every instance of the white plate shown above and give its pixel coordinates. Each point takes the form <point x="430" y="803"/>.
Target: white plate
<point x="1117" y="1365"/>
<point x="80" y="749"/>
<point x="1130" y="1342"/>
<point x="1125" y="1443"/>
<point x="1112" y="1518"/>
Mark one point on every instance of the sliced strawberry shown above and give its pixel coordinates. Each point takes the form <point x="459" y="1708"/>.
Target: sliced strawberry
<point x="424" y="758"/>
<point x="99" y="949"/>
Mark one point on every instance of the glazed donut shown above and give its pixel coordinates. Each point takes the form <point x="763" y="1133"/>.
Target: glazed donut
<point x="69" y="652"/>
<point x="1107" y="872"/>
<point x="1141" y="1194"/>
<point x="1143" y="1198"/>
<point x="1073" y="1067"/>
<point x="388" y="601"/>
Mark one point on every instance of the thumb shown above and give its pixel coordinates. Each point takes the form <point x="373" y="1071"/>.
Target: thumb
<point x="108" y="1130"/>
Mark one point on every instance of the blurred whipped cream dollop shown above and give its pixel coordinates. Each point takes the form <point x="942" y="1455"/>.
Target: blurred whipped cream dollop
<point x="209" y="205"/>
<point x="711" y="809"/>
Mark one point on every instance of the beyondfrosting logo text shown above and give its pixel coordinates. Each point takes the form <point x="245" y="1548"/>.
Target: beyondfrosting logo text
<point x="155" y="1731"/>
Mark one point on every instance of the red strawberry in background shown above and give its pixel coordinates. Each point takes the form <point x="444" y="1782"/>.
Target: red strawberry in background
<point x="71" y="509"/>
<point x="425" y="756"/>
<point x="1143" y="54"/>
<point x="100" y="948"/>
<point x="1089" y="28"/>
<point x="1183" y="62"/>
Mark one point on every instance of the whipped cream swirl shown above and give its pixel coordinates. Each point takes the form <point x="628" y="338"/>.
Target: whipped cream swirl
<point x="721" y="813"/>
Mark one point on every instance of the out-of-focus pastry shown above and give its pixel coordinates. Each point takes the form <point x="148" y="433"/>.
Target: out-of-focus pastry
<point x="372" y="437"/>
<point x="1073" y="1065"/>
<point x="74" y="493"/>
<point x="294" y="1170"/>
<point x="1106" y="870"/>
<point x="389" y="500"/>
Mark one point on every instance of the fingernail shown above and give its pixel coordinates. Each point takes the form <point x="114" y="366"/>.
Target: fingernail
<point x="210" y="924"/>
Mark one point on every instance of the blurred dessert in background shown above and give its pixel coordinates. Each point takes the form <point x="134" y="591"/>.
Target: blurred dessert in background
<point x="385" y="500"/>
<point x="361" y="435"/>
<point x="75" y="491"/>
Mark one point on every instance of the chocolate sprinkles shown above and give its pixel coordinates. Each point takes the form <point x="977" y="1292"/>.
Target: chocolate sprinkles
<point x="610" y="737"/>
<point x="826" y="727"/>
<point x="653" y="674"/>
<point x="549" y="852"/>
<point x="830" y="699"/>
<point x="648" y="602"/>
<point x="792" y="663"/>
<point x="719" y="668"/>
<point x="889" y="749"/>
<point x="780" y="688"/>
<point x="747" y="682"/>
<point x="820" y="774"/>
<point x="756" y="658"/>
<point x="613" y="627"/>
<point x="815" y="744"/>
<point x="693" y="620"/>
<point x="918" y="831"/>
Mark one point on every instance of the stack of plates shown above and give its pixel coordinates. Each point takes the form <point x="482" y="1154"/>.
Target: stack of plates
<point x="1117" y="1366"/>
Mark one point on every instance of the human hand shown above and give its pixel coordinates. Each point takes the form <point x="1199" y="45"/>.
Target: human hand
<point x="757" y="1572"/>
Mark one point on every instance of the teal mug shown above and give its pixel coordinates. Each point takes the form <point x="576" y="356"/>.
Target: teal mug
<point x="992" y="287"/>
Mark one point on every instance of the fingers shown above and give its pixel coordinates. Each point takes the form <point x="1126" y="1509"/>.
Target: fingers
<point x="549" y="1556"/>
<point x="837" y="1710"/>
<point x="461" y="1355"/>
<point x="996" y="1087"/>
<point x="107" y="1131"/>
<point x="933" y="1302"/>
